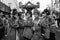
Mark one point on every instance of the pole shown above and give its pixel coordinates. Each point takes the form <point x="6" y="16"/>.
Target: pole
<point x="17" y="36"/>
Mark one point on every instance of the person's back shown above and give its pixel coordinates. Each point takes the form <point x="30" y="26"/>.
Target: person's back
<point x="2" y="29"/>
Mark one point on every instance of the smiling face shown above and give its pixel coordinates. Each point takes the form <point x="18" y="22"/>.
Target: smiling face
<point x="36" y="15"/>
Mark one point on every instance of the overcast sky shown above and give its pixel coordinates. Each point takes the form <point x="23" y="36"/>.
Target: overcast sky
<point x="43" y="3"/>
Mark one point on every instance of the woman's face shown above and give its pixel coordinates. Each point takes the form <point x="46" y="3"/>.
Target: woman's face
<point x="1" y="14"/>
<point x="36" y="15"/>
<point x="28" y="15"/>
<point x="44" y="14"/>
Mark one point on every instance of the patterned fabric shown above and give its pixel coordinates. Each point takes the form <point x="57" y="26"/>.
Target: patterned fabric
<point x="45" y="24"/>
<point x="27" y="33"/>
<point x="37" y="36"/>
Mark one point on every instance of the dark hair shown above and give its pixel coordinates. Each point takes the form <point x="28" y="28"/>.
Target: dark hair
<point x="14" y="11"/>
<point x="29" y="13"/>
<point x="46" y="11"/>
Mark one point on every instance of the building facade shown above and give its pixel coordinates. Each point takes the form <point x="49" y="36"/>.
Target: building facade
<point x="57" y="5"/>
<point x="4" y="7"/>
<point x="12" y="3"/>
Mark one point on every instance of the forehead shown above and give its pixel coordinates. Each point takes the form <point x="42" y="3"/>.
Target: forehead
<point x="1" y="13"/>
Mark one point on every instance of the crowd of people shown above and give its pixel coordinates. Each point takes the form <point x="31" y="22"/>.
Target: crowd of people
<point x="30" y="26"/>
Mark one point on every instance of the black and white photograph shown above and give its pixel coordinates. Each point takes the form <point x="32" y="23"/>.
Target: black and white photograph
<point x="29" y="19"/>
